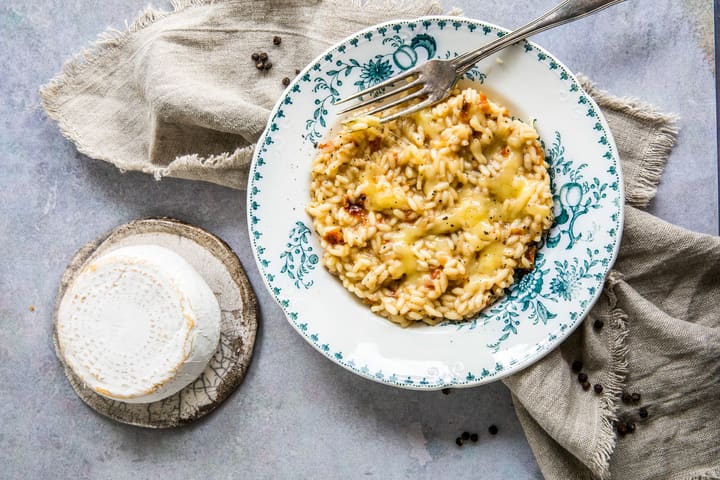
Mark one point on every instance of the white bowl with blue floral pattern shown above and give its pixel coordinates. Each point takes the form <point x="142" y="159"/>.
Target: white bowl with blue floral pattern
<point x="539" y="311"/>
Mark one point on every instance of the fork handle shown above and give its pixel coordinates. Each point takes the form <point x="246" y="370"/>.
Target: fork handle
<point x="564" y="12"/>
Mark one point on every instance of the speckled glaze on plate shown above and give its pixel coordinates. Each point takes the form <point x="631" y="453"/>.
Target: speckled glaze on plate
<point x="539" y="311"/>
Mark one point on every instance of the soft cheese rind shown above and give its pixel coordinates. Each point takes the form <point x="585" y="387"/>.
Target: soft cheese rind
<point x="138" y="324"/>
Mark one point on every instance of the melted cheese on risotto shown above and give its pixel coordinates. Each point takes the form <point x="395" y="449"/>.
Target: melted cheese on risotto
<point x="428" y="217"/>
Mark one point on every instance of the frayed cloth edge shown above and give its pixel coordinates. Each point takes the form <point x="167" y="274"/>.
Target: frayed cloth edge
<point x="614" y="381"/>
<point x="108" y="42"/>
<point x="658" y="152"/>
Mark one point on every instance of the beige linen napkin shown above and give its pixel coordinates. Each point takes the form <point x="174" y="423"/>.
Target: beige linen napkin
<point x="176" y="95"/>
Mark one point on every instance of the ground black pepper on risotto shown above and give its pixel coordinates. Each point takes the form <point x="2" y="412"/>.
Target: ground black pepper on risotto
<point x="427" y="217"/>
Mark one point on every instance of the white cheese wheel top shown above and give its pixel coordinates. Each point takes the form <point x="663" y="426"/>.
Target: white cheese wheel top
<point x="138" y="324"/>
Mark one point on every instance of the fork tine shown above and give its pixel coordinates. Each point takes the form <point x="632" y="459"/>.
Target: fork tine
<point x="386" y="106"/>
<point x="389" y="94"/>
<point x="386" y="83"/>
<point x="407" y="111"/>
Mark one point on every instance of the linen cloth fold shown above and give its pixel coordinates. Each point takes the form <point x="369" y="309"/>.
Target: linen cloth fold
<point x="177" y="95"/>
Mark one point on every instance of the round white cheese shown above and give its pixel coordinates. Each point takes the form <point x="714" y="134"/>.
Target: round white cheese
<point x="138" y="324"/>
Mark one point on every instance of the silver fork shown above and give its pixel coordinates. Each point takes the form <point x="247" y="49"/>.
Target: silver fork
<point x="436" y="78"/>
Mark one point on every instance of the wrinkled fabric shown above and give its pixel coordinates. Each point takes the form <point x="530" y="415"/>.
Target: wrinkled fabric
<point x="178" y="94"/>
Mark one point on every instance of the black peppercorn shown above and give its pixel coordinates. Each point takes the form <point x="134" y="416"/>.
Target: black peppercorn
<point x="643" y="412"/>
<point x="598" y="325"/>
<point x="259" y="65"/>
<point x="622" y="428"/>
<point x="459" y="441"/>
<point x="598" y="388"/>
<point x="626" y="398"/>
<point x="577" y="366"/>
<point x="297" y="71"/>
<point x="267" y="66"/>
<point x="586" y="386"/>
<point x="493" y="430"/>
<point x="255" y="56"/>
<point x="582" y="377"/>
<point x="465" y="436"/>
<point x="631" y="427"/>
<point x="263" y="56"/>
<point x="635" y="397"/>
<point x="286" y="81"/>
<point x="474" y="437"/>
<point x="445" y="391"/>
<point x="277" y="40"/>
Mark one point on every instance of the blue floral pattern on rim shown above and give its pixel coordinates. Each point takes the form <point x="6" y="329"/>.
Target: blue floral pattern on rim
<point x="298" y="259"/>
<point x="564" y="280"/>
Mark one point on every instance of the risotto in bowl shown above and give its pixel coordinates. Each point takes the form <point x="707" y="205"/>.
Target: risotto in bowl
<point x="427" y="218"/>
<point x="448" y="248"/>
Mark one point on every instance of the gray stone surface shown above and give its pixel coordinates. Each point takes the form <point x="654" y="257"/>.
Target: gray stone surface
<point x="296" y="415"/>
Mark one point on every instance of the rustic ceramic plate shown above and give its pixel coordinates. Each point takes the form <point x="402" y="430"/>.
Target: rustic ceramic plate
<point x="539" y="311"/>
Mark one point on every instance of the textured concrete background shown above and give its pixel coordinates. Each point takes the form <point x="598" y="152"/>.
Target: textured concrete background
<point x="296" y="415"/>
